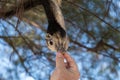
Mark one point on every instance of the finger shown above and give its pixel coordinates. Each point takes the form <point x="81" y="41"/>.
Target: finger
<point x="70" y="60"/>
<point x="67" y="65"/>
<point x="53" y="77"/>
<point x="60" y="61"/>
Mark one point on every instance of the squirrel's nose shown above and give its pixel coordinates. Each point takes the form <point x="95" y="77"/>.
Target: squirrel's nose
<point x="61" y="48"/>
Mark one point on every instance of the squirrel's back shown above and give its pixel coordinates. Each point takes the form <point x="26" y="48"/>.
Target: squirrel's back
<point x="59" y="2"/>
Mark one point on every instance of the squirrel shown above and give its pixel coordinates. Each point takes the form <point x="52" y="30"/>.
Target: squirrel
<point x="59" y="2"/>
<point x="56" y="37"/>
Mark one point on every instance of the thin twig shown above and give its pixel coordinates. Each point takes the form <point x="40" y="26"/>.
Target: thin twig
<point x="109" y="25"/>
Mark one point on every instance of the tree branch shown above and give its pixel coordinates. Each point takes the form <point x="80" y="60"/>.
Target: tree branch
<point x="93" y="14"/>
<point x="27" y="4"/>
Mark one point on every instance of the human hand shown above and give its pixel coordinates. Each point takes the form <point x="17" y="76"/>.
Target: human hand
<point x="65" y="71"/>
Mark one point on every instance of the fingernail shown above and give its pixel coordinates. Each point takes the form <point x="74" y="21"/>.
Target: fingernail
<point x="59" y="54"/>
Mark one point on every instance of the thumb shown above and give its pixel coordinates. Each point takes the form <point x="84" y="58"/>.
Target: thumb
<point x="60" y="61"/>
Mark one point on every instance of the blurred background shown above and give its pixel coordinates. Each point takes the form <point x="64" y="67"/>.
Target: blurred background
<point x="93" y="27"/>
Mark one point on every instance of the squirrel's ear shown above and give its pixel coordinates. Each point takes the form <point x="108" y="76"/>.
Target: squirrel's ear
<point x="48" y="36"/>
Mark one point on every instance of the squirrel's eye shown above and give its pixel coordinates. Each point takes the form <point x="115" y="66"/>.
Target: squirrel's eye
<point x="51" y="42"/>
